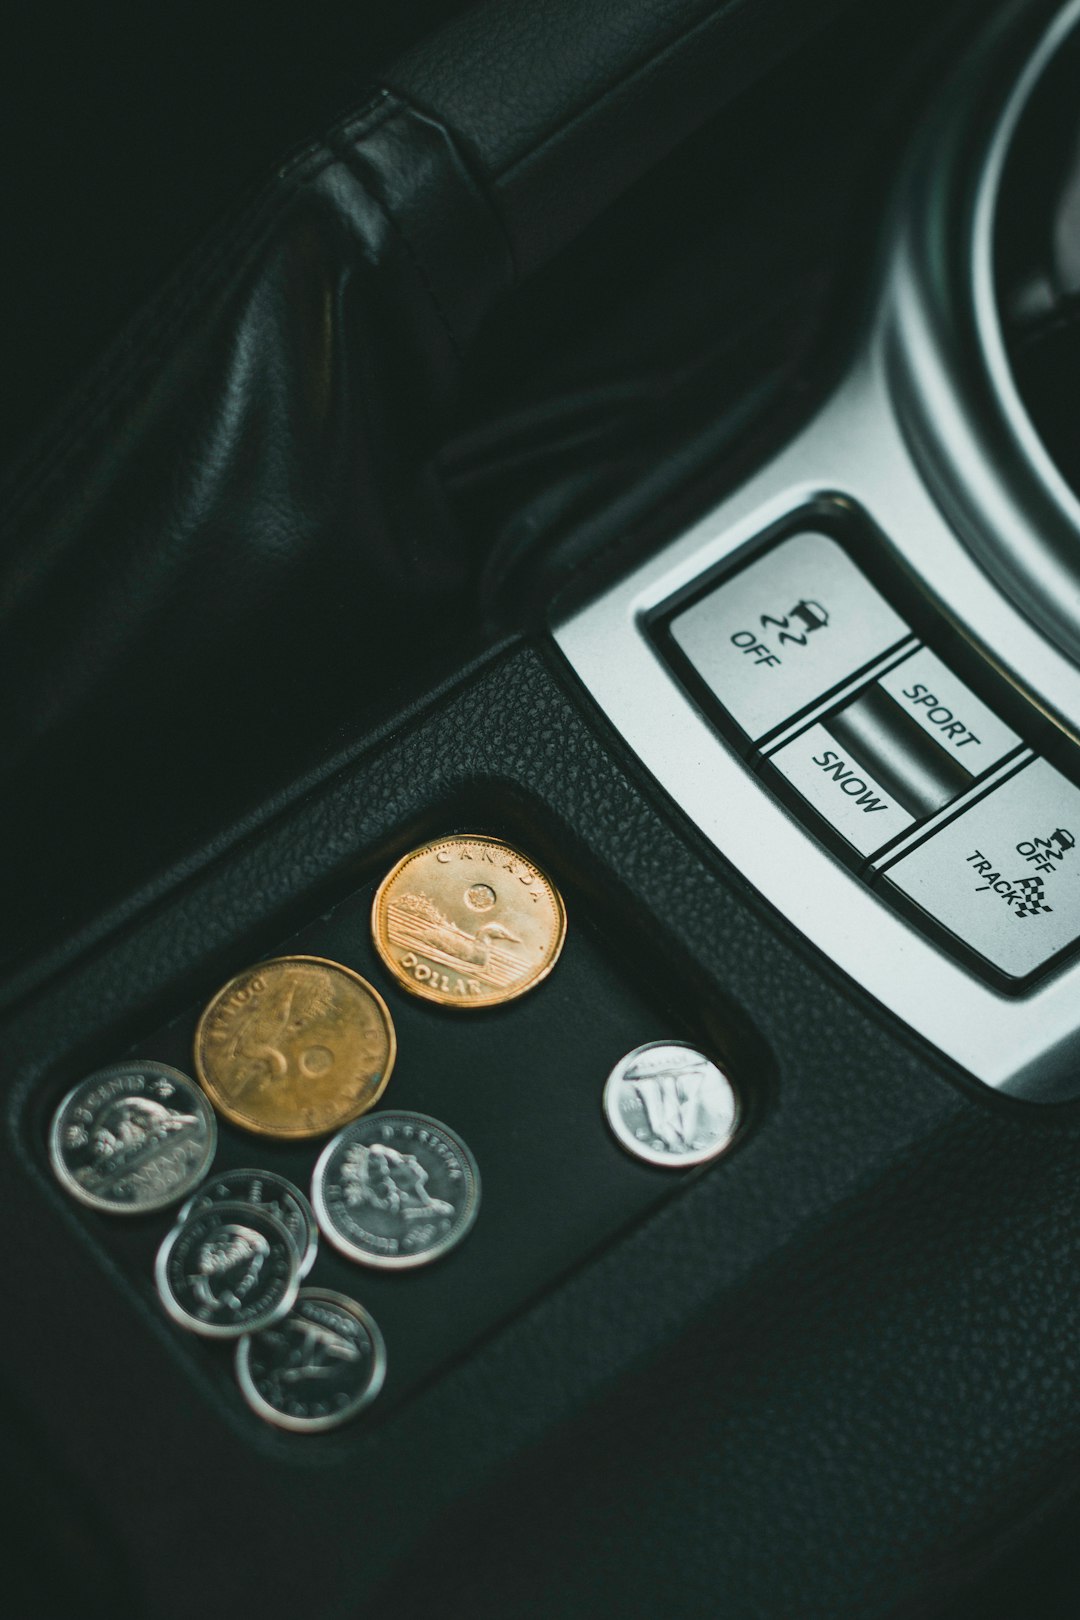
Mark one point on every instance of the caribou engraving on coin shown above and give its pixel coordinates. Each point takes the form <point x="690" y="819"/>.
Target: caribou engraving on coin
<point x="395" y="1190"/>
<point x="227" y="1267"/>
<point x="227" y="1270"/>
<point x="315" y="1369"/>
<point x="668" y="1104"/>
<point x="265" y="1190"/>
<point x="468" y="922"/>
<point x="390" y="1181"/>
<point x="295" y="1047"/>
<point x="132" y="1138"/>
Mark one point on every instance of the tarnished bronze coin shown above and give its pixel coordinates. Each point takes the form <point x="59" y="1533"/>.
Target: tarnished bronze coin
<point x="296" y="1046"/>
<point x="468" y="922"/>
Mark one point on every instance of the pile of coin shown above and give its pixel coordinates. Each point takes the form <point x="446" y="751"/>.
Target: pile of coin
<point x="297" y="1047"/>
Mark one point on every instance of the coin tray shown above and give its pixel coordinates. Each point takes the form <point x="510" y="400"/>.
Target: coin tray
<point x="522" y="1083"/>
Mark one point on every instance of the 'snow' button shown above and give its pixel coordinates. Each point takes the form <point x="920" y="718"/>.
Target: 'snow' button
<point x="842" y="790"/>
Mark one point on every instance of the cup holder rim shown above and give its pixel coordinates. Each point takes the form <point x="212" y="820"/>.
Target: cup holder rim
<point x="945" y="347"/>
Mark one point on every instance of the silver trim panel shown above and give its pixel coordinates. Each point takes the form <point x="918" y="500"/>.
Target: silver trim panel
<point x="936" y="448"/>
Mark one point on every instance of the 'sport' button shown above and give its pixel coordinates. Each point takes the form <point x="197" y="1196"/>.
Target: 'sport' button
<point x="946" y="710"/>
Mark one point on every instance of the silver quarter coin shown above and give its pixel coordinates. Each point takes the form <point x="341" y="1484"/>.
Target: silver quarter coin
<point x="395" y="1190"/>
<point x="264" y="1190"/>
<point x="317" y="1367"/>
<point x="668" y="1104"/>
<point x="133" y="1138"/>
<point x="228" y="1270"/>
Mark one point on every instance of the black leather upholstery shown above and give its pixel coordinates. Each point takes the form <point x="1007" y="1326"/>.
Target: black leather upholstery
<point x="231" y="517"/>
<point x="239" y="511"/>
<point x="563" y="105"/>
<point x="132" y="130"/>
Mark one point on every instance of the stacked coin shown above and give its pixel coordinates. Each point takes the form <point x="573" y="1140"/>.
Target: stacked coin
<point x="229" y="1269"/>
<point x="307" y="1359"/>
<point x="264" y="1190"/>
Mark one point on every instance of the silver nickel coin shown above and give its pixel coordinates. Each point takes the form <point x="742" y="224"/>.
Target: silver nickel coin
<point x="395" y="1190"/>
<point x="133" y="1138"/>
<point x="316" y="1368"/>
<point x="264" y="1190"/>
<point x="668" y="1104"/>
<point x="228" y="1270"/>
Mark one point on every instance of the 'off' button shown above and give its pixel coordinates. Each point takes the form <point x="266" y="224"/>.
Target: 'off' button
<point x="785" y="630"/>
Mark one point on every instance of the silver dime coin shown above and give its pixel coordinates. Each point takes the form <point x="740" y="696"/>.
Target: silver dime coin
<point x="317" y="1367"/>
<point x="670" y="1105"/>
<point x="133" y="1138"/>
<point x="395" y="1190"/>
<point x="264" y="1190"/>
<point x="228" y="1270"/>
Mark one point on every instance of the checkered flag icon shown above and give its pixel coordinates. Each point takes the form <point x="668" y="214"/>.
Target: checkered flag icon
<point x="1031" y="900"/>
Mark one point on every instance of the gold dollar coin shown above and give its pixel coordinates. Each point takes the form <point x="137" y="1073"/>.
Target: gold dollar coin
<point x="468" y="922"/>
<point x="294" y="1047"/>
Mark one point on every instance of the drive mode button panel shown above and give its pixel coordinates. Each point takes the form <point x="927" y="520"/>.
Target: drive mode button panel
<point x="784" y="631"/>
<point x="1004" y="877"/>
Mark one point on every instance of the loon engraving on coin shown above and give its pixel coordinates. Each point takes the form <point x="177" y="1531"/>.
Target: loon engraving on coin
<point x="468" y="922"/>
<point x="132" y="1138"/>
<point x="295" y="1047"/>
<point x="228" y="1270"/>
<point x="395" y="1190"/>
<point x="318" y="1367"/>
<point x="264" y="1190"/>
<point x="669" y="1105"/>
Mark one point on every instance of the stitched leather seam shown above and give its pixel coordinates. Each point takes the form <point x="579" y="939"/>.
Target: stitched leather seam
<point x="138" y="346"/>
<point x="359" y="125"/>
<point x="368" y="184"/>
<point x="475" y="172"/>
